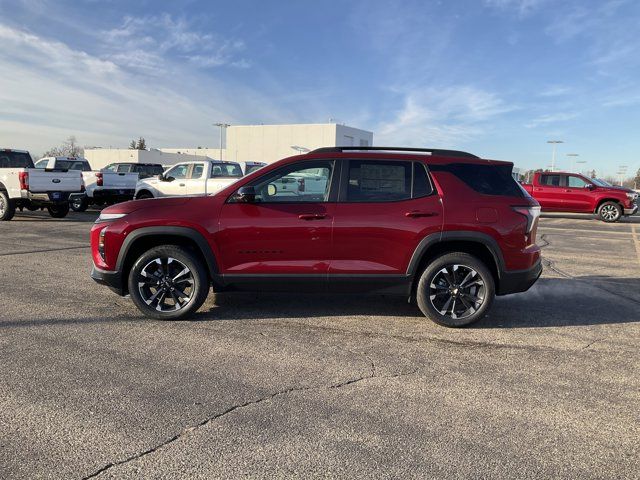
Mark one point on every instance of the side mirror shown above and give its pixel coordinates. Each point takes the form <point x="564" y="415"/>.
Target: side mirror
<point x="589" y="186"/>
<point x="160" y="177"/>
<point x="246" y="194"/>
<point x="272" y="189"/>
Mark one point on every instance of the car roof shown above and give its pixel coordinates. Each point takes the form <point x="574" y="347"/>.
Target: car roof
<point x="13" y="150"/>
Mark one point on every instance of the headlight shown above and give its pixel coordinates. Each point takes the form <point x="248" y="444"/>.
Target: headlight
<point x="107" y="217"/>
<point x="632" y="196"/>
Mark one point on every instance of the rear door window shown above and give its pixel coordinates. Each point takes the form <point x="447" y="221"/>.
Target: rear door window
<point x="378" y="181"/>
<point x="550" y="180"/>
<point x="196" y="171"/>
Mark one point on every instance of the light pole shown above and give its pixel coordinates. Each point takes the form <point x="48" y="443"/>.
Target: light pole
<point x="579" y="162"/>
<point x="573" y="157"/>
<point x="553" y="154"/>
<point x="622" y="171"/>
<point x="223" y="126"/>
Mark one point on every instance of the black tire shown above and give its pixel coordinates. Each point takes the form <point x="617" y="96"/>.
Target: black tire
<point x="610" y="212"/>
<point x="7" y="207"/>
<point x="79" y="203"/>
<point x="144" y="195"/>
<point x="434" y="282"/>
<point x="154" y="296"/>
<point x="59" y="211"/>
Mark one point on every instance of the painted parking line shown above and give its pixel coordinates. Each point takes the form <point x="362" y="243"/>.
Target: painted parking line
<point x="636" y="241"/>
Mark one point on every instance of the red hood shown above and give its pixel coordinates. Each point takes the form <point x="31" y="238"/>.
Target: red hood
<point x="133" y="205"/>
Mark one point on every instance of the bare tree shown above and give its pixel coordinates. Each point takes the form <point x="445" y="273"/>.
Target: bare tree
<point x="69" y="148"/>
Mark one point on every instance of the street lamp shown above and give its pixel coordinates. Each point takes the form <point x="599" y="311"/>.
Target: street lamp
<point x="223" y="126"/>
<point x="553" y="154"/>
<point x="580" y="161"/>
<point x="573" y="157"/>
<point x="299" y="149"/>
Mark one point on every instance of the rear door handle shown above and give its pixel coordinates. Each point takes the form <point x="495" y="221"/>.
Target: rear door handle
<point x="567" y="190"/>
<point x="417" y="213"/>
<point x="312" y="216"/>
<point x="182" y="184"/>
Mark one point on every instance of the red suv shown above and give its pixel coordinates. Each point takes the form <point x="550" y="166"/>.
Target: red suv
<point x="441" y="227"/>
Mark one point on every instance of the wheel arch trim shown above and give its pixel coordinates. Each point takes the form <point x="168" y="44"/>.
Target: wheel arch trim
<point x="172" y="231"/>
<point x="453" y="235"/>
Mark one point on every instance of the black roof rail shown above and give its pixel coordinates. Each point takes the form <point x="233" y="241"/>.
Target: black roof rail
<point x="432" y="151"/>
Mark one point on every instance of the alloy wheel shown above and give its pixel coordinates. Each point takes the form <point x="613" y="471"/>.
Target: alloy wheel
<point x="609" y="212"/>
<point x="3" y="206"/>
<point x="457" y="291"/>
<point x="166" y="284"/>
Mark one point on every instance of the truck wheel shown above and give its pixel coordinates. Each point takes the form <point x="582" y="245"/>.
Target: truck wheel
<point x="144" y="195"/>
<point x="610" y="212"/>
<point x="59" y="211"/>
<point x="168" y="283"/>
<point x="7" y="207"/>
<point x="455" y="289"/>
<point x="79" y="203"/>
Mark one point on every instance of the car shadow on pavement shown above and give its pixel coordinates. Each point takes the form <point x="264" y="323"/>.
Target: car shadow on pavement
<point x="568" y="302"/>
<point x="551" y="302"/>
<point x="588" y="216"/>
<point x="84" y="217"/>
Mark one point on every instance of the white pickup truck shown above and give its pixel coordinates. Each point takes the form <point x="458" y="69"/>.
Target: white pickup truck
<point x="189" y="179"/>
<point x="24" y="186"/>
<point x="77" y="200"/>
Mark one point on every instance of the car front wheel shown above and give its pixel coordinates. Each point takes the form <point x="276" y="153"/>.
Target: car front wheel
<point x="455" y="289"/>
<point x="610" y="212"/>
<point x="168" y="283"/>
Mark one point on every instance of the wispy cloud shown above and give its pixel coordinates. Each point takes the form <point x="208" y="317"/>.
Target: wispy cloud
<point x="556" y="91"/>
<point x="551" y="118"/>
<point x="147" y="43"/>
<point x="446" y="116"/>
<point x="521" y="8"/>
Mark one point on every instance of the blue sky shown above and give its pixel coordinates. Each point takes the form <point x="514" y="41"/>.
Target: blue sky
<point x="495" y="77"/>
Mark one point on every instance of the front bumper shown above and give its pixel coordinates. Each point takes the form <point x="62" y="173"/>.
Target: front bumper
<point x="113" y="280"/>
<point x="631" y="211"/>
<point x="519" y="280"/>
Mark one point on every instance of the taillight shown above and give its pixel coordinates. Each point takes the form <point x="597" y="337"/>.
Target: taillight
<point x="24" y="180"/>
<point x="532" y="214"/>
<point x="101" y="243"/>
<point x="99" y="181"/>
<point x="82" y="187"/>
<point x="301" y="184"/>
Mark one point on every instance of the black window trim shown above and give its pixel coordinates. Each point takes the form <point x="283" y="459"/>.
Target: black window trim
<point x="333" y="181"/>
<point x="344" y="179"/>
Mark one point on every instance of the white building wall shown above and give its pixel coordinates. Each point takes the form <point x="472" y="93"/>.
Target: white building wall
<point x="268" y="143"/>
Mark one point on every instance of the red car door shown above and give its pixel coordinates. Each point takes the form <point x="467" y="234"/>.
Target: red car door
<point x="549" y="191"/>
<point x="283" y="233"/>
<point x="577" y="197"/>
<point x="385" y="208"/>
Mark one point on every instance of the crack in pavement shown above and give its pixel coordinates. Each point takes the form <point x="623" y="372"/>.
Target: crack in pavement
<point x="233" y="408"/>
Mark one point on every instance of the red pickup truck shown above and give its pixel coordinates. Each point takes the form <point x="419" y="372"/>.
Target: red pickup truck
<point x="572" y="192"/>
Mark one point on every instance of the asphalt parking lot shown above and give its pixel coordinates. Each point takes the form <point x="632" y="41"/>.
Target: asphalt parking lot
<point x="315" y="386"/>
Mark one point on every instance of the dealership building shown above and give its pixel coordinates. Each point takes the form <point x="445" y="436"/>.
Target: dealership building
<point x="244" y="143"/>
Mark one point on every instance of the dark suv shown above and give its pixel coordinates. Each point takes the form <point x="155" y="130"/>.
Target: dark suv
<point x="441" y="227"/>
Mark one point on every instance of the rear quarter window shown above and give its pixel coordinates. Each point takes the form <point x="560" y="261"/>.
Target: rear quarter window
<point x="484" y="179"/>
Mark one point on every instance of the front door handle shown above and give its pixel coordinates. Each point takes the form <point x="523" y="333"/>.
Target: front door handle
<point x="182" y="184"/>
<point x="312" y="216"/>
<point x="417" y="213"/>
<point x="567" y="190"/>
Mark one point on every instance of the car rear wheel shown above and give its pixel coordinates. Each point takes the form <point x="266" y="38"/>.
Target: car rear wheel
<point x="610" y="212"/>
<point x="59" y="211"/>
<point x="7" y="208"/>
<point x="79" y="203"/>
<point x="455" y="289"/>
<point x="168" y="283"/>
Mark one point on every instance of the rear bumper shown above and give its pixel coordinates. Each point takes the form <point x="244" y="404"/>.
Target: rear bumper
<point x="43" y="199"/>
<point x="115" y="194"/>
<point x="113" y="280"/>
<point x="631" y="211"/>
<point x="519" y="280"/>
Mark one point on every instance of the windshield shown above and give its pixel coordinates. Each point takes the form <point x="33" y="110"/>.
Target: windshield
<point x="600" y="182"/>
<point x="9" y="159"/>
<point x="225" y="170"/>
